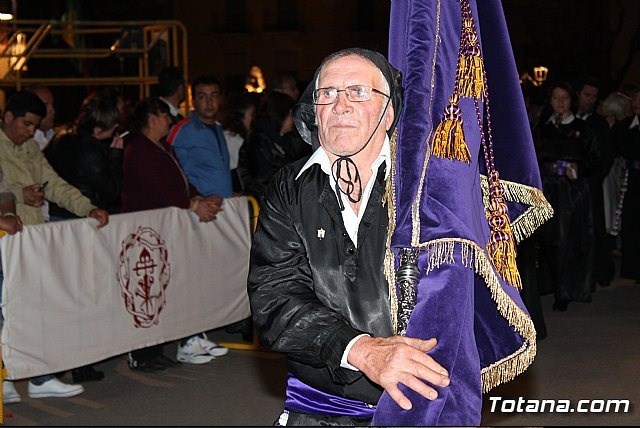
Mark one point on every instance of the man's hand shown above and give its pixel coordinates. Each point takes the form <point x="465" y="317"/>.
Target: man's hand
<point x="215" y="199"/>
<point x="33" y="195"/>
<point x="205" y="209"/>
<point x="10" y="224"/>
<point x="117" y="142"/>
<point x="391" y="360"/>
<point x="101" y="215"/>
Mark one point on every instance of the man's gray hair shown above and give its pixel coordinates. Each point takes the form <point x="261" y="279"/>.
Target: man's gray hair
<point x="385" y="85"/>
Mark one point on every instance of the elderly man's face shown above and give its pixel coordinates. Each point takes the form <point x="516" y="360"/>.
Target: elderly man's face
<point x="345" y="126"/>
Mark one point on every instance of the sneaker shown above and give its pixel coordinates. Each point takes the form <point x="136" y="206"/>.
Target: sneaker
<point x="193" y="353"/>
<point x="53" y="388"/>
<point x="9" y="393"/>
<point x="212" y="348"/>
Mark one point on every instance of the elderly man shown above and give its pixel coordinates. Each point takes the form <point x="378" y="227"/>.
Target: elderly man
<point x="316" y="283"/>
<point x="29" y="176"/>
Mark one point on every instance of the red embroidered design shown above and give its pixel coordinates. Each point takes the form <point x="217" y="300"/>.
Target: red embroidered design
<point x="143" y="275"/>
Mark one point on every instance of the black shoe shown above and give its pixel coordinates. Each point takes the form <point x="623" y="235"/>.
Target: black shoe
<point x="147" y="366"/>
<point x="164" y="361"/>
<point x="560" y="305"/>
<point x="86" y="374"/>
<point x="244" y="327"/>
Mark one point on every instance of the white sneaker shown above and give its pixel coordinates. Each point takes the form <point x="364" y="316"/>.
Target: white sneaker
<point x="193" y="353"/>
<point x="9" y="393"/>
<point x="54" y="388"/>
<point x="212" y="348"/>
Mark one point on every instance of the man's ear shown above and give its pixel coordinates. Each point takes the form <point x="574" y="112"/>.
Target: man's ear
<point x="389" y="116"/>
<point x="8" y="117"/>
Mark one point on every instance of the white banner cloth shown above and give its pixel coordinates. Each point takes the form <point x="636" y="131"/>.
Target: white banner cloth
<point x="74" y="294"/>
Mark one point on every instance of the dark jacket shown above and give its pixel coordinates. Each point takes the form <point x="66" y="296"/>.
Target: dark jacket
<point x="153" y="178"/>
<point x="572" y="142"/>
<point x="262" y="157"/>
<point x="628" y="140"/>
<point x="311" y="289"/>
<point x="90" y="166"/>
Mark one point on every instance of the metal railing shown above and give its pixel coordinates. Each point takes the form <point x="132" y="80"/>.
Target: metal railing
<point x="92" y="41"/>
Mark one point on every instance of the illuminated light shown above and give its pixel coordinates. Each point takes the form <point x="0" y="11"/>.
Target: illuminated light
<point x="255" y="80"/>
<point x="7" y="9"/>
<point x="540" y="74"/>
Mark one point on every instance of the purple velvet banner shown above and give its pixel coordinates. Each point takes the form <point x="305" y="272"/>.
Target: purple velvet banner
<point x="485" y="336"/>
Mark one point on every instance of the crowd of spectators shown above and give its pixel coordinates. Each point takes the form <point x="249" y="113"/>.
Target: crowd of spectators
<point x="114" y="159"/>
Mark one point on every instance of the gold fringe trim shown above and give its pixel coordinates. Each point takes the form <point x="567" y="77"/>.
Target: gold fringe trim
<point x="475" y="257"/>
<point x="448" y="139"/>
<point x="389" y="261"/>
<point x="539" y="211"/>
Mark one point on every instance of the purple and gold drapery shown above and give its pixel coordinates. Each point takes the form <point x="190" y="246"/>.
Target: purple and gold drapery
<point x="438" y="209"/>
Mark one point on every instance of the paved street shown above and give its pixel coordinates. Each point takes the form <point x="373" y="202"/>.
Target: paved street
<point x="591" y="353"/>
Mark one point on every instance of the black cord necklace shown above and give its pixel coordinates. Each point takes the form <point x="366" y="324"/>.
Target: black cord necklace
<point x="344" y="170"/>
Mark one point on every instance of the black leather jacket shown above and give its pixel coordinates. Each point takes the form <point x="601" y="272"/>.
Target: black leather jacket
<point x="311" y="289"/>
<point x="89" y="165"/>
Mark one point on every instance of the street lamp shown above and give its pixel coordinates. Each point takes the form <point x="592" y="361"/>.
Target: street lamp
<point x="7" y="10"/>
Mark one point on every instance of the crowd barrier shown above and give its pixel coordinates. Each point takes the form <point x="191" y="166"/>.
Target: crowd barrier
<point x="74" y="294"/>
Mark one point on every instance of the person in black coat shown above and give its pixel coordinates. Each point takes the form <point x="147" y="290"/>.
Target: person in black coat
<point x="265" y="151"/>
<point x="627" y="137"/>
<point x="568" y="155"/>
<point x="90" y="156"/>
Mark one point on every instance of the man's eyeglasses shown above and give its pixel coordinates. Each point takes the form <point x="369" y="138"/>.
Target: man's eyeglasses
<point x="354" y="93"/>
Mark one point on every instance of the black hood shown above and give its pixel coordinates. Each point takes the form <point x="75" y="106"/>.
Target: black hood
<point x="304" y="114"/>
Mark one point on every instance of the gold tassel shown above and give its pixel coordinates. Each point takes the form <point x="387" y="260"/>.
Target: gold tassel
<point x="471" y="82"/>
<point x="470" y="73"/>
<point x="501" y="246"/>
<point x="448" y="139"/>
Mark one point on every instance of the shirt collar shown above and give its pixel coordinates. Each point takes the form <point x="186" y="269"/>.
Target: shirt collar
<point x="196" y="119"/>
<point x="321" y="158"/>
<point x="635" y="122"/>
<point x="584" y="116"/>
<point x="567" y="120"/>
<point x="172" y="109"/>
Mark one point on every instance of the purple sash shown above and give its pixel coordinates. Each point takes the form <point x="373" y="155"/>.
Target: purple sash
<point x="302" y="398"/>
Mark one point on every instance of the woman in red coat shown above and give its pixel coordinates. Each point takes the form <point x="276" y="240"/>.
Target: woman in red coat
<point x="154" y="179"/>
